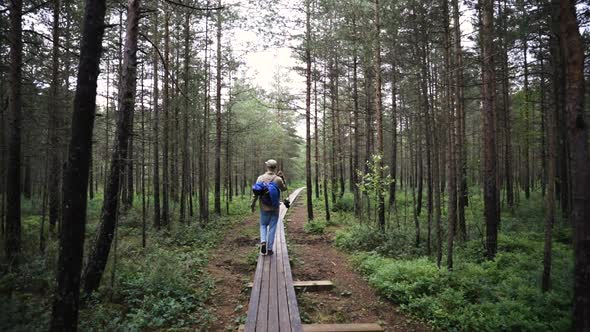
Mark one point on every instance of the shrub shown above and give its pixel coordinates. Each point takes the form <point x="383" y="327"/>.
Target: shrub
<point x="489" y="296"/>
<point x="315" y="227"/>
<point x="359" y="237"/>
<point x="344" y="204"/>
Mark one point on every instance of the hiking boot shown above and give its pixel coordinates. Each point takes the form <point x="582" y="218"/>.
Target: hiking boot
<point x="270" y="252"/>
<point x="263" y="248"/>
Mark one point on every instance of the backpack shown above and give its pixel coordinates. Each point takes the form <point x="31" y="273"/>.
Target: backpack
<point x="269" y="193"/>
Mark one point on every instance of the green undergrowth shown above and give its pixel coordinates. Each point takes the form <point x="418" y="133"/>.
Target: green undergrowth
<point x="478" y="295"/>
<point x="315" y="227"/>
<point x="163" y="286"/>
<point x="499" y="295"/>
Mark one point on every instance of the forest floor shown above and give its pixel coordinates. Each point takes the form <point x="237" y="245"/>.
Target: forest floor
<point x="313" y="258"/>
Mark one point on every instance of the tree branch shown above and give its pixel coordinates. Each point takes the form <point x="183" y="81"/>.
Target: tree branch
<point x="192" y="7"/>
<point x="51" y="40"/>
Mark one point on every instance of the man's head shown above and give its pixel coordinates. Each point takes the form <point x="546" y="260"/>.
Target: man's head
<point x="271" y="165"/>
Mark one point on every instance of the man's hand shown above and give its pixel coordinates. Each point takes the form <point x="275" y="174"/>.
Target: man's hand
<point x="280" y="174"/>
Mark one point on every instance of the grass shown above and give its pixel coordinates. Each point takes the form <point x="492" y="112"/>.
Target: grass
<point x="162" y="286"/>
<point x="478" y="295"/>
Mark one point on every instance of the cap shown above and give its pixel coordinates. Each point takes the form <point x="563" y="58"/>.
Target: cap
<point x="271" y="163"/>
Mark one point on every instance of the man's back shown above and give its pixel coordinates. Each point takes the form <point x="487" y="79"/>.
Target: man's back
<point x="268" y="177"/>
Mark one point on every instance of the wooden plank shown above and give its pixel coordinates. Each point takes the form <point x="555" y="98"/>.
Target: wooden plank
<point x="342" y="328"/>
<point x="254" y="298"/>
<point x="262" y="295"/>
<point x="262" y="317"/>
<point x="283" y="305"/>
<point x="313" y="285"/>
<point x="366" y="327"/>
<point x="291" y="297"/>
<point x="309" y="285"/>
<point x="273" y="311"/>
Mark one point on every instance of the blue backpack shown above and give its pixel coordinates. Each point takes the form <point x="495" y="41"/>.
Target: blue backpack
<point x="269" y="193"/>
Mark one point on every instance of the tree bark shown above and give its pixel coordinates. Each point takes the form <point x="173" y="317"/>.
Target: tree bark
<point x="185" y="192"/>
<point x="489" y="140"/>
<point x="217" y="189"/>
<point x="461" y="152"/>
<point x="549" y="200"/>
<point x="55" y="153"/>
<point x="67" y="293"/>
<point x="166" y="129"/>
<point x="308" y="175"/>
<point x="155" y="96"/>
<point x="393" y="162"/>
<point x="100" y="253"/>
<point x="451" y="163"/>
<point x="379" y="115"/>
<point x="527" y="166"/>
<point x="577" y="125"/>
<point x="13" y="185"/>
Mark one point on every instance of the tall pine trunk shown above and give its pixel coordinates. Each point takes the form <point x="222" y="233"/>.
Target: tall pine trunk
<point x="155" y="96"/>
<point x="54" y="111"/>
<point x="379" y="116"/>
<point x="67" y="293"/>
<point x="489" y="140"/>
<point x="461" y="152"/>
<point x="577" y="125"/>
<point x="217" y="189"/>
<point x="100" y="253"/>
<point x="308" y="175"/>
<point x="13" y="185"/>
<point x="451" y="163"/>
<point x="166" y="129"/>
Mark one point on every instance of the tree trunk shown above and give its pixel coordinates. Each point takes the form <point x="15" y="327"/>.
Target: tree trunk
<point x="527" y="166"/>
<point x="451" y="163"/>
<point x="334" y="129"/>
<point x="185" y="192"/>
<point x="549" y="200"/>
<point x="489" y="141"/>
<point x="325" y="152"/>
<point x="66" y="301"/>
<point x="55" y="153"/>
<point x="217" y="189"/>
<point x="3" y="152"/>
<point x="308" y="182"/>
<point x="317" y="137"/>
<point x="143" y="166"/>
<point x="100" y="254"/>
<point x="393" y="162"/>
<point x="204" y="148"/>
<point x="357" y="127"/>
<point x="577" y="125"/>
<point x="129" y="166"/>
<point x="507" y="119"/>
<point x="460" y="129"/>
<point x="13" y="185"/>
<point x="379" y="115"/>
<point x="166" y="130"/>
<point x="155" y="96"/>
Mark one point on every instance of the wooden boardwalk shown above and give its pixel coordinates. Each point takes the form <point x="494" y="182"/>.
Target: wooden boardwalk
<point x="273" y="305"/>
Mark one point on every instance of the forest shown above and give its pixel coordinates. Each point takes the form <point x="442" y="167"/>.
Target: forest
<point x="443" y="146"/>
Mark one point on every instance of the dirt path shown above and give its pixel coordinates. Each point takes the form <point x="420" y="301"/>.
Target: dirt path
<point x="233" y="263"/>
<point x="351" y="300"/>
<point x="232" y="266"/>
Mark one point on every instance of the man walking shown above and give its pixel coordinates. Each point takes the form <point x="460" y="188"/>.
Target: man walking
<point x="269" y="215"/>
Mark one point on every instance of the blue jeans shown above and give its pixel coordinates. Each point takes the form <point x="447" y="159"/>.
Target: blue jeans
<point x="268" y="219"/>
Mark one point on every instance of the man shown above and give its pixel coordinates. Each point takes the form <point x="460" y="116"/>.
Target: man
<point x="269" y="215"/>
